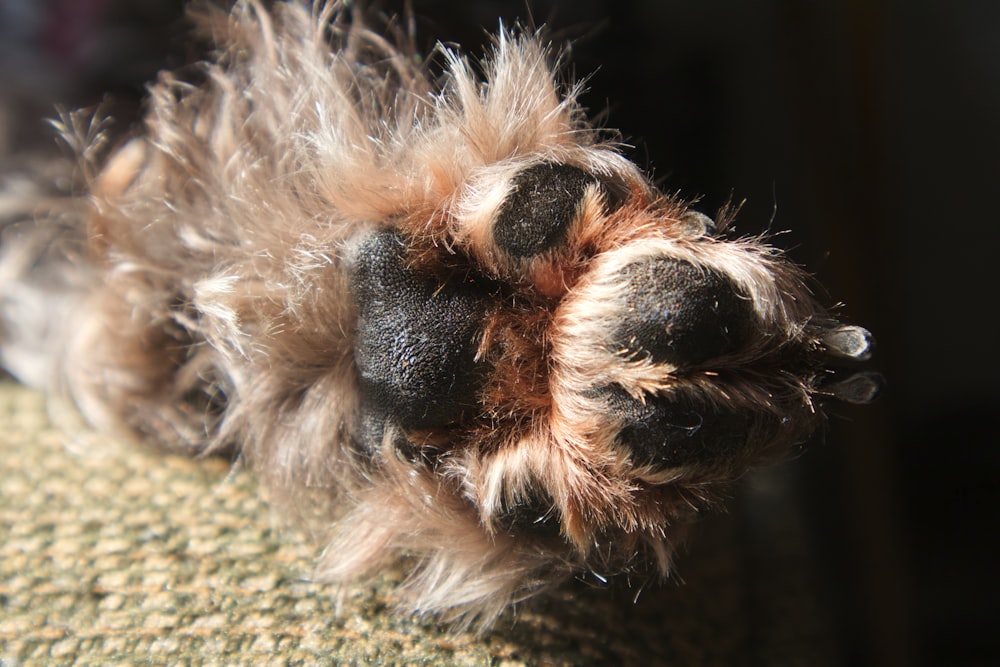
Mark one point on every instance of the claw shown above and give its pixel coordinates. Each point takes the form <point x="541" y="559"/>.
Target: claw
<point x="860" y="388"/>
<point x="698" y="224"/>
<point x="849" y="342"/>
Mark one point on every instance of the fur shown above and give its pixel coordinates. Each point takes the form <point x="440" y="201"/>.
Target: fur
<point x="197" y="295"/>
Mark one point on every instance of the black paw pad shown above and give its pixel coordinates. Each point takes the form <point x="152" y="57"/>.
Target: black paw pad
<point x="680" y="314"/>
<point x="667" y="432"/>
<point x="416" y="338"/>
<point x="539" y="209"/>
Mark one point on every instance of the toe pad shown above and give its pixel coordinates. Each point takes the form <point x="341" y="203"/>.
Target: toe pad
<point x="680" y="314"/>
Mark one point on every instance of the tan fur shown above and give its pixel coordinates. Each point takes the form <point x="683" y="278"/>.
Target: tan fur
<point x="214" y="313"/>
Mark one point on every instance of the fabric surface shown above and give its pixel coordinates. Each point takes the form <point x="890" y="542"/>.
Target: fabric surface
<point x="112" y="554"/>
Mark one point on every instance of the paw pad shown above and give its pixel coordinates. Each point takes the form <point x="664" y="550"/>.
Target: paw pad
<point x="416" y="342"/>
<point x="539" y="209"/>
<point x="680" y="314"/>
<point x="670" y="433"/>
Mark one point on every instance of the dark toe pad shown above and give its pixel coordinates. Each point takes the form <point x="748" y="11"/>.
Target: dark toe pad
<point x="681" y="314"/>
<point x="667" y="432"/>
<point x="539" y="209"/>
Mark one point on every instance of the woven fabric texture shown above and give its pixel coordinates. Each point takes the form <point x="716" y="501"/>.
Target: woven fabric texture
<point x="111" y="554"/>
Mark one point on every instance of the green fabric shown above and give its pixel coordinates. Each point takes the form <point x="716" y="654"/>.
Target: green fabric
<point x="111" y="554"/>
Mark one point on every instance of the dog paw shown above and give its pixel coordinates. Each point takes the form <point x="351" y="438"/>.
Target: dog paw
<point x="578" y="351"/>
<point x="440" y="314"/>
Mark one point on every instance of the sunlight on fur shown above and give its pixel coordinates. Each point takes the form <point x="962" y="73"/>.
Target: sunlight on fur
<point x="440" y="314"/>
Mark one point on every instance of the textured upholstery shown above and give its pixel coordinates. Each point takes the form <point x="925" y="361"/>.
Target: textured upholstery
<point x="110" y="554"/>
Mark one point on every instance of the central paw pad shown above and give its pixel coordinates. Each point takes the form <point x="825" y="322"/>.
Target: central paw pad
<point x="416" y="339"/>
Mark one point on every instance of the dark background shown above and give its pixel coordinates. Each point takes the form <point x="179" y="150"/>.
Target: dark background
<point x="869" y="128"/>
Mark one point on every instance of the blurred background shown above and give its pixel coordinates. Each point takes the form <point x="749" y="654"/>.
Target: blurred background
<point x="868" y="128"/>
